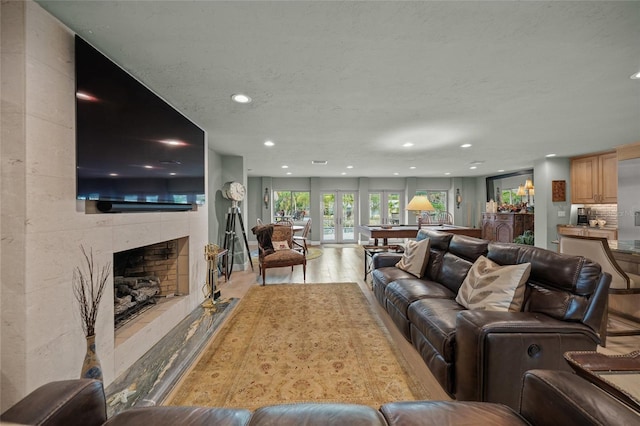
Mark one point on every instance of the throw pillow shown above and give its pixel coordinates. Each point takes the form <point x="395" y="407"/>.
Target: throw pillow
<point x="415" y="257"/>
<point x="491" y="287"/>
<point x="280" y="245"/>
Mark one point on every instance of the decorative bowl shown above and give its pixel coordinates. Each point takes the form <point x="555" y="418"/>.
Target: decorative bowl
<point x="593" y="222"/>
<point x="601" y="222"/>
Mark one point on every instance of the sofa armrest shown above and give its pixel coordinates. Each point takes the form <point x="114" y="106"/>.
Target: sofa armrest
<point x="381" y="260"/>
<point x="495" y="349"/>
<point x="66" y="402"/>
<point x="563" y="398"/>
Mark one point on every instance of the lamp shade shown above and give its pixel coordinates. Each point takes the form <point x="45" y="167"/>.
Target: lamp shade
<point x="528" y="184"/>
<point x="420" y="203"/>
<point x="521" y="191"/>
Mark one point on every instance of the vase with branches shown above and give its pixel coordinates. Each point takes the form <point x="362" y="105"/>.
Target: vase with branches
<point x="88" y="287"/>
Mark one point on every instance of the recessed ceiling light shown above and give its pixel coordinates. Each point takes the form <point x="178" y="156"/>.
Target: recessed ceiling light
<point x="412" y="167"/>
<point x="501" y="170"/>
<point x="172" y="174"/>
<point x="343" y="173"/>
<point x="285" y="167"/>
<point x="447" y="173"/>
<point x="550" y="155"/>
<point x="396" y="174"/>
<point x="113" y="174"/>
<point x="466" y="145"/>
<point x="240" y="98"/>
<point x="473" y="167"/>
<point x="635" y="76"/>
<point x="349" y="167"/>
<point x="269" y="143"/>
<point x="288" y="173"/>
<point x="148" y="167"/>
<point x="407" y="144"/>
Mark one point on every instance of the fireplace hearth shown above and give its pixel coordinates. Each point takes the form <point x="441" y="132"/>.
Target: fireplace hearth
<point x="144" y="274"/>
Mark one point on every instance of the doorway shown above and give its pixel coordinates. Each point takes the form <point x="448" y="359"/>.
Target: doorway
<point x="339" y="217"/>
<point x="386" y="207"/>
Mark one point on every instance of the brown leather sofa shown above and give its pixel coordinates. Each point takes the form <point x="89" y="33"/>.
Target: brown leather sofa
<point x="548" y="398"/>
<point x="482" y="355"/>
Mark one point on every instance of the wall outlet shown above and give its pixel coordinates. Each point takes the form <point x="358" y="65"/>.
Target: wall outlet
<point x="562" y="213"/>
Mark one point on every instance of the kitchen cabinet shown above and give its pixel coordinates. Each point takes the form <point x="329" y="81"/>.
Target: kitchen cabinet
<point x="594" y="179"/>
<point x="505" y="227"/>
<point x="586" y="231"/>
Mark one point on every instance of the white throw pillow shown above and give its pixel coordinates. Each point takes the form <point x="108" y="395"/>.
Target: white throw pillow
<point x="280" y="245"/>
<point x="491" y="287"/>
<point x="415" y="257"/>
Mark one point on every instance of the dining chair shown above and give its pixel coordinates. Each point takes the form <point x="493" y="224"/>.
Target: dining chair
<point x="622" y="283"/>
<point x="444" y="218"/>
<point x="301" y="240"/>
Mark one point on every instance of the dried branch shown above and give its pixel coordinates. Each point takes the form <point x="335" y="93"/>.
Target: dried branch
<point x="88" y="289"/>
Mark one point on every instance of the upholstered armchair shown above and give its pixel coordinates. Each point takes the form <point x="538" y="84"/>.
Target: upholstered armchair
<point x="275" y="249"/>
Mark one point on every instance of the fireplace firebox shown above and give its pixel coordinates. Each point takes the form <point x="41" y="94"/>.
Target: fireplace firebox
<point x="142" y="275"/>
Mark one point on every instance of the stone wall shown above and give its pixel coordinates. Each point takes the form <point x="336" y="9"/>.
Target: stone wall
<point x="43" y="225"/>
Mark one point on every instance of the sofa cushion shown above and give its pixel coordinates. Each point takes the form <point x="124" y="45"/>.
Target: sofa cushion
<point x="491" y="287"/>
<point x="435" y="319"/>
<point x="415" y="257"/>
<point x="402" y="293"/>
<point x="438" y="413"/>
<point x="388" y="274"/>
<point x="317" y="414"/>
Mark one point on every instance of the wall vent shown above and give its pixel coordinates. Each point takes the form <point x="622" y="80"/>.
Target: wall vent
<point x="321" y="162"/>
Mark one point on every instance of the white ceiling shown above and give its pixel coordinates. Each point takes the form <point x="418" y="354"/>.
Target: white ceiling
<point x="350" y="82"/>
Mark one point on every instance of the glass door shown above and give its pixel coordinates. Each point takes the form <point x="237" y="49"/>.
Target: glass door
<point x="339" y="217"/>
<point x="386" y="207"/>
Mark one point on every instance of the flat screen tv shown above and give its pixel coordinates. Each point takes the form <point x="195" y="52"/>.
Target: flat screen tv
<point x="131" y="145"/>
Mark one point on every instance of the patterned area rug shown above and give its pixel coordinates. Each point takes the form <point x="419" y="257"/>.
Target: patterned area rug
<point x="299" y="342"/>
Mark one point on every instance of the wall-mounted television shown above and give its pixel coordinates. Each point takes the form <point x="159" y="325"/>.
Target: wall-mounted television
<point x="131" y="145"/>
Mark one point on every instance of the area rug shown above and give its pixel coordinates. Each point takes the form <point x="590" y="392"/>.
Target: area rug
<point x="294" y="343"/>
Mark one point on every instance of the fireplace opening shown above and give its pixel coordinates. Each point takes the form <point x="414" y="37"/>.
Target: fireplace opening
<point x="143" y="275"/>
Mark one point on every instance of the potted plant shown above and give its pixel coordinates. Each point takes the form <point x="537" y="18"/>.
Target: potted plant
<point x="526" y="238"/>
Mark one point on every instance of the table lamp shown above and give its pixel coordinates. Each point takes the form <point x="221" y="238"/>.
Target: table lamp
<point x="419" y="204"/>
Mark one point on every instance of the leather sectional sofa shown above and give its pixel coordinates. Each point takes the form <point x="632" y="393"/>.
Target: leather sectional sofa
<point x="548" y="398"/>
<point x="480" y="355"/>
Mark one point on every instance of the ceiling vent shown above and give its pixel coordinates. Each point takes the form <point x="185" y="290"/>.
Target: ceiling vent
<point x="320" y="162"/>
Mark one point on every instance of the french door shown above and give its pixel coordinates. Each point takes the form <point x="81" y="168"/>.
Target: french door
<point x="386" y="207"/>
<point x="339" y="216"/>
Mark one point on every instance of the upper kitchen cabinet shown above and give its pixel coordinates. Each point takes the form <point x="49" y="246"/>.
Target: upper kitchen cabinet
<point x="594" y="179"/>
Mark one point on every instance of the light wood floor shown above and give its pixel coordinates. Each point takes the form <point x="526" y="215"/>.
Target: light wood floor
<point x="345" y="263"/>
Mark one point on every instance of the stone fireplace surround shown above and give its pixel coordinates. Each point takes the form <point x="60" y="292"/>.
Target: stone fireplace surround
<point x="43" y="225"/>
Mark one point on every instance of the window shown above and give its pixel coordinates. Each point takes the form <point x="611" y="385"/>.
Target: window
<point x="438" y="199"/>
<point x="291" y="205"/>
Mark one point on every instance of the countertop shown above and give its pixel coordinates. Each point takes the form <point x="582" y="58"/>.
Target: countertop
<point x="625" y="246"/>
<point x="613" y="228"/>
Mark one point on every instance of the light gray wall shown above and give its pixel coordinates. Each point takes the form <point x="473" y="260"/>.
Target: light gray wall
<point x="546" y="211"/>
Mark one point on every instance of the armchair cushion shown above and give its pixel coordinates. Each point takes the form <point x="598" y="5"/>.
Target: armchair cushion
<point x="280" y="245"/>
